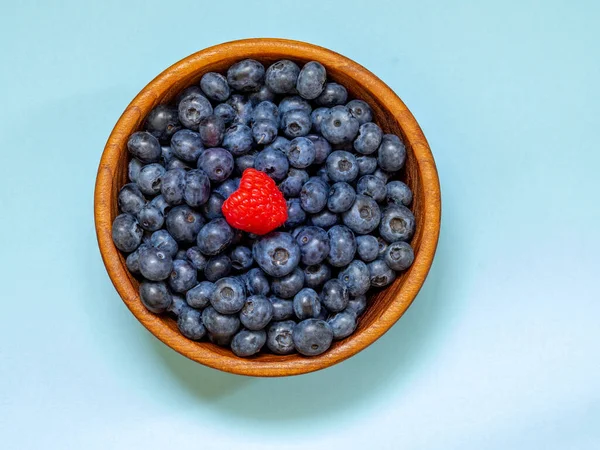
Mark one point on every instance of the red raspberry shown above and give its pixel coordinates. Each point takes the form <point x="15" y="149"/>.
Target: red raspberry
<point x="257" y="206"/>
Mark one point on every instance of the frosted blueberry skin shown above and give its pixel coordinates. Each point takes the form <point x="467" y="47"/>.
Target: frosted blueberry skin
<point x="312" y="337"/>
<point x="190" y="324"/>
<point x="199" y="296"/>
<point x="257" y="312"/>
<point x="155" y="296"/>
<point x="246" y="75"/>
<point x="356" y="277"/>
<point x="144" y="146"/>
<point x="279" y="337"/>
<point x="277" y="253"/>
<point x="126" y="233"/>
<point x="316" y="275"/>
<point x="281" y="77"/>
<point x="311" y="80"/>
<point x="335" y="295"/>
<point x="397" y="223"/>
<point x="215" y="87"/>
<point x="399" y="256"/>
<point x="247" y="342"/>
<point x="342" y="324"/>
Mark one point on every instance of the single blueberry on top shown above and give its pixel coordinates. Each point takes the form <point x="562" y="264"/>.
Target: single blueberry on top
<point x="155" y="296"/>
<point x="361" y="110"/>
<point x="246" y="75"/>
<point x="277" y="253"/>
<point x="391" y="154"/>
<point x="341" y="197"/>
<point x="301" y="152"/>
<point x="356" y="278"/>
<point x="339" y="126"/>
<point x="214" y="237"/>
<point x="342" y="245"/>
<point x="217" y="163"/>
<point x="183" y="223"/>
<point x="314" y="244"/>
<point x="369" y="138"/>
<point x="151" y="217"/>
<point x="272" y="162"/>
<point x="193" y="109"/>
<point x="399" y="193"/>
<point x="281" y="77"/>
<point x="150" y="178"/>
<point x="211" y="130"/>
<point x="187" y="145"/>
<point x="257" y="312"/>
<point x="131" y="200"/>
<point x="238" y="139"/>
<point x="144" y="146"/>
<point x="342" y="166"/>
<point x="364" y="215"/>
<point x="247" y="342"/>
<point x="335" y="295"/>
<point x="397" y="223"/>
<point x="311" y="80"/>
<point x="333" y="94"/>
<point x="229" y="295"/>
<point x="214" y="85"/>
<point x="163" y="122"/>
<point x="312" y="337"/>
<point x="399" y="256"/>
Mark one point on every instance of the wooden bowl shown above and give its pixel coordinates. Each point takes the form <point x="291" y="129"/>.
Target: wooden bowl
<point x="385" y="307"/>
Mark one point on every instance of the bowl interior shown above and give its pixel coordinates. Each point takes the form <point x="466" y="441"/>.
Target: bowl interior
<point x="386" y="113"/>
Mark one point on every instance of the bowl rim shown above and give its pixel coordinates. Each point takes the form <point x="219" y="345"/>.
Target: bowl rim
<point x="115" y="263"/>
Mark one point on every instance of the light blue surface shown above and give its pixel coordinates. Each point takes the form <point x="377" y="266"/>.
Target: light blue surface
<point x="500" y="349"/>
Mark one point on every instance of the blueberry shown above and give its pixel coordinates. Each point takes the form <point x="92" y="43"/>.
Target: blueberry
<point x="133" y="169"/>
<point x="342" y="324"/>
<point x="151" y="217"/>
<point x="313" y="195"/>
<point x="144" y="146"/>
<point x="172" y="186"/>
<point x="163" y="241"/>
<point x="219" y="324"/>
<point x="155" y="296"/>
<point x="214" y="85"/>
<point x="342" y="166"/>
<point x="399" y="256"/>
<point x="133" y="260"/>
<point x="364" y="215"/>
<point x="339" y="126"/>
<point x="335" y="295"/>
<point x="380" y="273"/>
<point x="223" y="341"/>
<point x="317" y="118"/>
<point x="263" y="94"/>
<point x="279" y="337"/>
<point x="155" y="264"/>
<point x="238" y="139"/>
<point x="311" y="80"/>
<point x="322" y="174"/>
<point x="265" y="111"/>
<point x="187" y="145"/>
<point x="314" y="244"/>
<point x="196" y="258"/>
<point x="341" y="197"/>
<point x="246" y="75"/>
<point x="199" y="296"/>
<point x="315" y="276"/>
<point x="293" y="102"/>
<point x="197" y="188"/>
<point x="183" y="276"/>
<point x="366" y="165"/>
<point x="160" y="202"/>
<point x="371" y="186"/>
<point x="276" y="253"/>
<point x="312" y="337"/>
<point x="214" y="237"/>
<point x="281" y="77"/>
<point x="225" y="112"/>
<point x="190" y="324"/>
<point x="212" y="208"/>
<point x="397" y="223"/>
<point x="256" y="282"/>
<point x="150" y="178"/>
<point x="228" y="187"/>
<point x="264" y="131"/>
<point x="272" y="162"/>
<point x="399" y="193"/>
<point x="280" y="143"/>
<point x="296" y="215"/>
<point x="257" y="312"/>
<point x="356" y="278"/>
<point x="163" y="122"/>
<point x="241" y="258"/>
<point x="307" y="304"/>
<point x="290" y="285"/>
<point x="178" y="305"/>
<point x="333" y="94"/>
<point x="322" y="148"/>
<point x="229" y="295"/>
<point x="244" y="162"/>
<point x="193" y="109"/>
<point x="292" y="184"/>
<point x="282" y="309"/>
<point x="180" y="255"/>
<point x="126" y="233"/>
<point x="381" y="174"/>
<point x="211" y="130"/>
<point x="242" y="107"/>
<point x="342" y="246"/>
<point x="166" y="153"/>
<point x="367" y="247"/>
<point x="217" y="163"/>
<point x="183" y="223"/>
<point x="295" y="123"/>
<point x="369" y="138"/>
<point x="324" y="219"/>
<point x="188" y="92"/>
<point x="301" y="152"/>
<point x="391" y="154"/>
<point x="176" y="163"/>
<point x="131" y="200"/>
<point x="217" y="267"/>
<point x="361" y="110"/>
<point x="357" y="305"/>
<point x="383" y="245"/>
<point x="247" y="343"/>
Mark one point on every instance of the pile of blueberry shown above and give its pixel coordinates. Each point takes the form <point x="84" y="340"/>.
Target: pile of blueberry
<point x="294" y="289"/>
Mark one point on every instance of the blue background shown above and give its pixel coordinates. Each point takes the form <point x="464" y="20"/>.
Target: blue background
<point x="501" y="348"/>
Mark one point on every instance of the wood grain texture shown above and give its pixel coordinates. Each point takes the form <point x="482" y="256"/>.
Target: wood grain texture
<point x="385" y="307"/>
